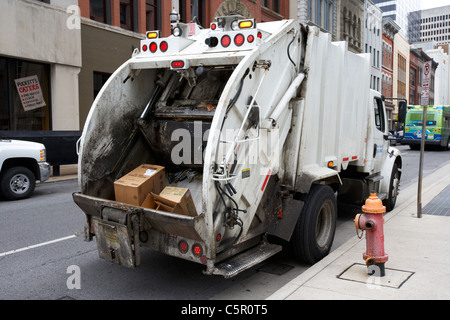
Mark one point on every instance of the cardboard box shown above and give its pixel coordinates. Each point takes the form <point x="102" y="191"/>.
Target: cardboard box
<point x="176" y="200"/>
<point x="134" y="187"/>
<point x="149" y="202"/>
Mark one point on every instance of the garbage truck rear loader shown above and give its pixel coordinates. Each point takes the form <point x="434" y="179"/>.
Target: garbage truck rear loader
<point x="266" y="126"/>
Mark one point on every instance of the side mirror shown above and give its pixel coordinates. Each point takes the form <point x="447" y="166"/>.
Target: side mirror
<point x="402" y="106"/>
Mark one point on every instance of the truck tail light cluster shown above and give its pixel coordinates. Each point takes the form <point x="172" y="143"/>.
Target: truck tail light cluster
<point x="225" y="33"/>
<point x="196" y="249"/>
<point x="153" y="47"/>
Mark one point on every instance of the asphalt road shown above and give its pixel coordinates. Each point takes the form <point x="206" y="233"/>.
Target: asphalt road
<point x="42" y="259"/>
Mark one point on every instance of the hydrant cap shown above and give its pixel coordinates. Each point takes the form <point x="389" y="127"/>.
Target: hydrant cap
<point x="373" y="205"/>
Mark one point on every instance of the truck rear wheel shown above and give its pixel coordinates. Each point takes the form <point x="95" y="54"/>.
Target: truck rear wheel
<point x="17" y="183"/>
<point x="316" y="226"/>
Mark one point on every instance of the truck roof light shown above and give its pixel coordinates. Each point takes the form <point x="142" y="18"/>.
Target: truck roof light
<point x="244" y="24"/>
<point x="239" y="39"/>
<point x="177" y="32"/>
<point x="225" y="41"/>
<point x="163" y="46"/>
<point x="153" y="47"/>
<point x="235" y="25"/>
<point x="153" y="34"/>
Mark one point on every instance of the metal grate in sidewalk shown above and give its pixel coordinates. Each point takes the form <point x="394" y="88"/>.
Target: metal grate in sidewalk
<point x="440" y="205"/>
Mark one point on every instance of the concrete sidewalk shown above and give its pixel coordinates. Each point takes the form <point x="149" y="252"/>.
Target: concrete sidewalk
<point x="418" y="249"/>
<point x="66" y="172"/>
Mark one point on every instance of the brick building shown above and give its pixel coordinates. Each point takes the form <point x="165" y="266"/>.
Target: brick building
<point x="111" y="29"/>
<point x="390" y="29"/>
<point x="144" y="15"/>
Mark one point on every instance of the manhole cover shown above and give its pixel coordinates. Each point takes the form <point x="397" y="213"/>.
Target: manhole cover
<point x="358" y="272"/>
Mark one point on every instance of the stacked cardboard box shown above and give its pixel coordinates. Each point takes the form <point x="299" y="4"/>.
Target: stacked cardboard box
<point x="146" y="186"/>
<point x="134" y="187"/>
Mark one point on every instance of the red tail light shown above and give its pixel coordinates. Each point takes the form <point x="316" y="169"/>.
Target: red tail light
<point x="197" y="250"/>
<point x="259" y="35"/>
<point x="144" y="47"/>
<point x="225" y="41"/>
<point x="163" y="46"/>
<point x="183" y="246"/>
<point x="239" y="39"/>
<point x="250" y="38"/>
<point x="177" y="64"/>
<point x="153" y="47"/>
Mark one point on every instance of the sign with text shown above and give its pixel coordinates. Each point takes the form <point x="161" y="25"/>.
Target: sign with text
<point x="30" y="93"/>
<point x="426" y="82"/>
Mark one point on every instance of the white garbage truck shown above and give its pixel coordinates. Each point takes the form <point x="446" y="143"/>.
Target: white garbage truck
<point x="266" y="127"/>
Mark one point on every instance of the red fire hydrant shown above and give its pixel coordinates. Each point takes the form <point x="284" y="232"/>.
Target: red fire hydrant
<point x="372" y="221"/>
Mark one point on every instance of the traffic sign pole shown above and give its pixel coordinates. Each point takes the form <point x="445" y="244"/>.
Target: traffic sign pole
<point x="424" y="102"/>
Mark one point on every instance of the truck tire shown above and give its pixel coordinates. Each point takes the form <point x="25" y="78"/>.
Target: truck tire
<point x="17" y="183"/>
<point x="394" y="184"/>
<point x="314" y="232"/>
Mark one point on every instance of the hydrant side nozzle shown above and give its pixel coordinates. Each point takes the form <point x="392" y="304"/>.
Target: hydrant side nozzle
<point x="363" y="223"/>
<point x="356" y="220"/>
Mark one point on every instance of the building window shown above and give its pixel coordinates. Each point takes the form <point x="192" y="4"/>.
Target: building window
<point x="153" y="14"/>
<point x="14" y="114"/>
<point x="412" y="77"/>
<point x="98" y="10"/>
<point x="126" y="15"/>
<point x="412" y="96"/>
<point x="320" y="12"/>
<point x="276" y="5"/>
<point x="198" y="10"/>
<point x="100" y="79"/>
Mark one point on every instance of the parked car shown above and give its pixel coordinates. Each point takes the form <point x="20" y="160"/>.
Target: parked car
<point x="21" y="164"/>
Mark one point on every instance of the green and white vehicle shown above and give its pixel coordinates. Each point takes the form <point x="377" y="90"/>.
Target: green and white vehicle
<point x="437" y="128"/>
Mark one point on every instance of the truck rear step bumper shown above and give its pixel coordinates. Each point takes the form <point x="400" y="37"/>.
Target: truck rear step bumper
<point x="164" y="222"/>
<point x="247" y="259"/>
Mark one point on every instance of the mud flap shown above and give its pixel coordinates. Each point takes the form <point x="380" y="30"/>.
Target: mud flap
<point x="114" y="242"/>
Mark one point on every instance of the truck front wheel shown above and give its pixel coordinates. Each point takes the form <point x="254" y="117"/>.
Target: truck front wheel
<point x="315" y="228"/>
<point x="394" y="184"/>
<point x="17" y="183"/>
